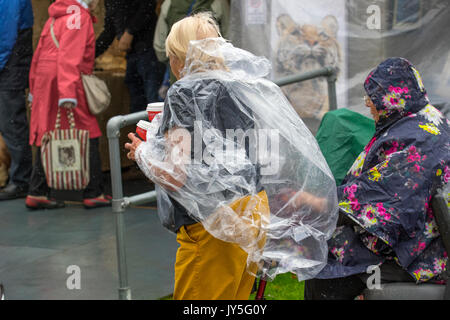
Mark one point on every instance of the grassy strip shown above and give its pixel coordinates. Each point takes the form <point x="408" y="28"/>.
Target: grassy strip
<point x="283" y="287"/>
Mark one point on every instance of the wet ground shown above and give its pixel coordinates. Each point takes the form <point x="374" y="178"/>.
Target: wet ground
<point x="38" y="247"/>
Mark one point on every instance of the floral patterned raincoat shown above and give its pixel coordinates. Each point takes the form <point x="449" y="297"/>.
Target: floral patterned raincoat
<point x="387" y="192"/>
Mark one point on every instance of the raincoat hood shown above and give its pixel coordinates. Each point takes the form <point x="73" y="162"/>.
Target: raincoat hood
<point x="62" y="8"/>
<point x="213" y="55"/>
<point x="395" y="87"/>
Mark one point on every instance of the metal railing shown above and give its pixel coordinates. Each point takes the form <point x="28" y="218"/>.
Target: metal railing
<point x="328" y="72"/>
<point x="120" y="203"/>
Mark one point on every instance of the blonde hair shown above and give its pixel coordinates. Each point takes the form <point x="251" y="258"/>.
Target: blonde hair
<point x="199" y="26"/>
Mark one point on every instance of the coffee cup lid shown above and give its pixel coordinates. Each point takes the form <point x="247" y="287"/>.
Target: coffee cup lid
<point x="155" y="106"/>
<point x="144" y="124"/>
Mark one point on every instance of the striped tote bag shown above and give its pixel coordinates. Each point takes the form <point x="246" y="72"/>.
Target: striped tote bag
<point x="65" y="155"/>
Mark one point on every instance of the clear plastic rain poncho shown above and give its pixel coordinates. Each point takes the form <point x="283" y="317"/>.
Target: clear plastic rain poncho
<point x="232" y="151"/>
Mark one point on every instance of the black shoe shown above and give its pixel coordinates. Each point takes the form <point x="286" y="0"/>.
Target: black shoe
<point x="11" y="191"/>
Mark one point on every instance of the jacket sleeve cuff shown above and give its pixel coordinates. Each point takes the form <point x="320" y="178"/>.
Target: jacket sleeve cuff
<point x="64" y="100"/>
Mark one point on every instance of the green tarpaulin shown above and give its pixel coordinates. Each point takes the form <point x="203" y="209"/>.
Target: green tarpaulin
<point x="342" y="136"/>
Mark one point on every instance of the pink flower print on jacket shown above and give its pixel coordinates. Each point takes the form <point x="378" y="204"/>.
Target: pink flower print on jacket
<point x="382" y="212"/>
<point x="339" y="252"/>
<point x="439" y="264"/>
<point x="394" y="100"/>
<point x="394" y="177"/>
<point x="419" y="247"/>
<point x="431" y="229"/>
<point x="392" y="149"/>
<point x="398" y="89"/>
<point x="370" y="144"/>
<point x="423" y="274"/>
<point x="413" y="155"/>
<point x="446" y="174"/>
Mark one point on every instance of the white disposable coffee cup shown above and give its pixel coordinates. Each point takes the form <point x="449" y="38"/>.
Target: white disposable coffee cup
<point x="141" y="129"/>
<point x="154" y="108"/>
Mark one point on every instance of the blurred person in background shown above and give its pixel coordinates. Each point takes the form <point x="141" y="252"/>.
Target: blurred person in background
<point x="55" y="82"/>
<point x="175" y="10"/>
<point x="133" y="22"/>
<point x="16" y="52"/>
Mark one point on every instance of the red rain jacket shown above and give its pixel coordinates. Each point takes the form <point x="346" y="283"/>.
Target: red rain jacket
<point x="55" y="75"/>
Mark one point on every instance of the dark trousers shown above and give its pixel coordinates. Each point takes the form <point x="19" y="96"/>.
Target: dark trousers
<point x="15" y="132"/>
<point x="38" y="183"/>
<point x="349" y="287"/>
<point x="143" y="77"/>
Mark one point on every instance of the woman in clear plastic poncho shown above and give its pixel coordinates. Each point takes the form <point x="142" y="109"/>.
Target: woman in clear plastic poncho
<point x="240" y="178"/>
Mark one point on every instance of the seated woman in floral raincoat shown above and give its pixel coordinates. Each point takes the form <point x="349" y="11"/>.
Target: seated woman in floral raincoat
<point x="385" y="197"/>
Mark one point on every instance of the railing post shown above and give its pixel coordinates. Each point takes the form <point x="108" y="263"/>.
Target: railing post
<point x="332" y="96"/>
<point x="113" y="132"/>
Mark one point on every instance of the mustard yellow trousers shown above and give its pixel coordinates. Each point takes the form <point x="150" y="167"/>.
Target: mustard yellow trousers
<point x="207" y="268"/>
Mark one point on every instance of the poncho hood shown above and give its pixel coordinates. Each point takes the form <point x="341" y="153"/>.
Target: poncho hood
<point x="218" y="55"/>
<point x="396" y="88"/>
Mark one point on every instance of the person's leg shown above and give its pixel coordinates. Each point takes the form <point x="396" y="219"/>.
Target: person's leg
<point x="93" y="194"/>
<point x="95" y="186"/>
<point x="39" y="191"/>
<point x="38" y="183"/>
<point x="15" y="132"/>
<point x="135" y="84"/>
<point x="334" y="289"/>
<point x="209" y="269"/>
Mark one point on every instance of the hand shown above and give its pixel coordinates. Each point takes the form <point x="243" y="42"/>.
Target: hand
<point x="135" y="142"/>
<point x="307" y="199"/>
<point x="68" y="105"/>
<point x="125" y="41"/>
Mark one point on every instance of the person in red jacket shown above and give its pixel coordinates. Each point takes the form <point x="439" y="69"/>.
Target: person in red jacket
<point x="55" y="82"/>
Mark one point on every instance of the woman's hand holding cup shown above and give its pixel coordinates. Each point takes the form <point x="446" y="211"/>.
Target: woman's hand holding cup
<point x="135" y="142"/>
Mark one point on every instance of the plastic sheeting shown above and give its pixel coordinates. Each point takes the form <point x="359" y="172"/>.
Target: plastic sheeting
<point x="353" y="36"/>
<point x="232" y="151"/>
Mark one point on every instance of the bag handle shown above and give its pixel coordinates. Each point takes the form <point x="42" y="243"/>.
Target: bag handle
<point x="70" y="116"/>
<point x="52" y="33"/>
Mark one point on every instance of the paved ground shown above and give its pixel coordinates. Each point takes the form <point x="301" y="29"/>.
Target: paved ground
<point x="37" y="247"/>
